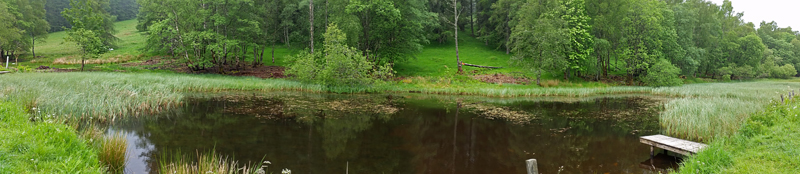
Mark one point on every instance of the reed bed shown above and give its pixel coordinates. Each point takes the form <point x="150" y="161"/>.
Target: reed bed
<point x="108" y="96"/>
<point x="703" y="112"/>
<point x="210" y="162"/>
<point x="113" y="152"/>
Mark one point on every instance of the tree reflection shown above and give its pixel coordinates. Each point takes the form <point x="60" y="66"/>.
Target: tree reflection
<point x="322" y="133"/>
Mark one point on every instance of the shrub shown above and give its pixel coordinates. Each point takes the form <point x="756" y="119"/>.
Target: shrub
<point x="784" y="71"/>
<point x="339" y="65"/>
<point x="663" y="73"/>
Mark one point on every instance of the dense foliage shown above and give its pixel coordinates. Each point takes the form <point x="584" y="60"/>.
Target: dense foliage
<point x="21" y="24"/>
<point x="590" y="39"/>
<point x="338" y="64"/>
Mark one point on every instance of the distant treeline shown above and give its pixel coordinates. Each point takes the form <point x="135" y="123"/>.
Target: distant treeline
<point x="123" y="9"/>
<point x="585" y="38"/>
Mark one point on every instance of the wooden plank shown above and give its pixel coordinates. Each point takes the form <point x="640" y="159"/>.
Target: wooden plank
<point x="684" y="147"/>
<point x="3" y="72"/>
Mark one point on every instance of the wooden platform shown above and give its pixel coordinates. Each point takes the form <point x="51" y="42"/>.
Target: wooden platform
<point x="684" y="147"/>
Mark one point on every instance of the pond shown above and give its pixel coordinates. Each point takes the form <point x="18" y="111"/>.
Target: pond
<point x="407" y="133"/>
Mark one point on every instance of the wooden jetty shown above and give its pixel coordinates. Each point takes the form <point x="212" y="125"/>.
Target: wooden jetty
<point x="684" y="147"/>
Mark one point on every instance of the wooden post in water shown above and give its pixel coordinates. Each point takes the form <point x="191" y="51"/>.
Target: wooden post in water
<point x="533" y="168"/>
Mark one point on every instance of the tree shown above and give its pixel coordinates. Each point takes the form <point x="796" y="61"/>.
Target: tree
<point x="311" y="23"/>
<point x="91" y="15"/>
<point x="640" y="44"/>
<point x="91" y="43"/>
<point x="502" y="18"/>
<point x="92" y="27"/>
<point x="387" y="31"/>
<point x="8" y="33"/>
<point x="541" y="38"/>
<point x="661" y="74"/>
<point x="340" y="65"/>
<point x="582" y="41"/>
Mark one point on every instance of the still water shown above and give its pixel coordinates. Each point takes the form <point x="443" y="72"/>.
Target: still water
<point x="326" y="133"/>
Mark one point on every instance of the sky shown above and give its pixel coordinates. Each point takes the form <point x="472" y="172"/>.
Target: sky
<point x="784" y="12"/>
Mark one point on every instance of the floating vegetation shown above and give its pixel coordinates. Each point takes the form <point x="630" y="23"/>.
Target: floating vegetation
<point x="501" y="113"/>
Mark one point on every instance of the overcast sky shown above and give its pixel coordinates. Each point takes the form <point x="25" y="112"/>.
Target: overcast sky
<point x="784" y="12"/>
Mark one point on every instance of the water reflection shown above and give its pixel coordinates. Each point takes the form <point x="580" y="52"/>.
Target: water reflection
<point x="402" y="134"/>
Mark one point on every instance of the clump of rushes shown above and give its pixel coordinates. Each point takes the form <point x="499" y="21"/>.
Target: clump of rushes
<point x="210" y="162"/>
<point x="113" y="152"/>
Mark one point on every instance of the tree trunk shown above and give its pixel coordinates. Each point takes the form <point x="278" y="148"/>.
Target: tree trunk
<point x="508" y="33"/>
<point x="311" y="22"/>
<point x="471" y="18"/>
<point x="16" y="57"/>
<point x="83" y="59"/>
<point x="33" y="45"/>
<point x="455" y="26"/>
<point x="538" y="76"/>
<point x="273" y="52"/>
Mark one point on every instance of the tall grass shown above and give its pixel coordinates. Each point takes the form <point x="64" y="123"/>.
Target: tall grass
<point x="210" y="162"/>
<point x="113" y="152"/>
<point x="767" y="143"/>
<point x="107" y="96"/>
<point x="706" y="111"/>
<point x="43" y="146"/>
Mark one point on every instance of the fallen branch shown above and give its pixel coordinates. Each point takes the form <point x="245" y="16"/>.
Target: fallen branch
<point x="481" y="66"/>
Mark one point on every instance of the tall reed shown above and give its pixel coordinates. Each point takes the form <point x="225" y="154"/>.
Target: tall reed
<point x="203" y="163"/>
<point x="107" y="96"/>
<point x="113" y="152"/>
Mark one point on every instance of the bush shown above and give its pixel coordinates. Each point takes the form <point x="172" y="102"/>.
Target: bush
<point x="784" y="71"/>
<point x="662" y="73"/>
<point x="339" y="65"/>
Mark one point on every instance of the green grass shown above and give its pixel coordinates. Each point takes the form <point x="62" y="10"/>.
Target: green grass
<point x="439" y="59"/>
<point x="41" y="147"/>
<point x="767" y="143"/>
<point x="131" y="41"/>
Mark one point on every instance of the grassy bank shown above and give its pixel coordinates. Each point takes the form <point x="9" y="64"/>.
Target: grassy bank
<point x="41" y="147"/>
<point x="767" y="143"/>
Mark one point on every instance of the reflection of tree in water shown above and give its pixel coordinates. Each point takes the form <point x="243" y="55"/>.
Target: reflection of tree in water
<point x="295" y="137"/>
<point x="321" y="134"/>
<point x="582" y="137"/>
